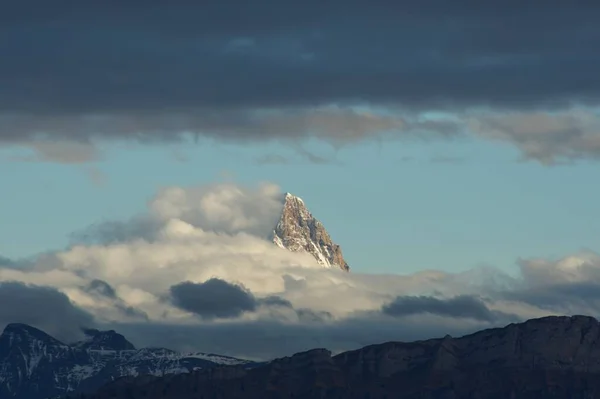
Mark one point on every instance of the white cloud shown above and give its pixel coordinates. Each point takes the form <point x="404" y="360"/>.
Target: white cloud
<point x="219" y="231"/>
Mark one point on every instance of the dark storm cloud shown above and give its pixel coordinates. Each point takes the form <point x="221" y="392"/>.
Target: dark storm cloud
<point x="214" y="298"/>
<point x="73" y="75"/>
<point x="161" y="68"/>
<point x="42" y="307"/>
<point x="145" y="56"/>
<point x="461" y="306"/>
<point x="218" y="298"/>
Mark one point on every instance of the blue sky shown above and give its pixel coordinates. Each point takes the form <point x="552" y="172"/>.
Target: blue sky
<point x="394" y="206"/>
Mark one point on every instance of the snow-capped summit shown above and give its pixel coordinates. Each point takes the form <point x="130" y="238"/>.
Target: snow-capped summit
<point x="298" y="230"/>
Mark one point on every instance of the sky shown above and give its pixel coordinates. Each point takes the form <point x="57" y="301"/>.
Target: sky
<point x="453" y="160"/>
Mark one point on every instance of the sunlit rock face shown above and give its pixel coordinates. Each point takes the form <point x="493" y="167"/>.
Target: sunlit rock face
<point x="298" y="230"/>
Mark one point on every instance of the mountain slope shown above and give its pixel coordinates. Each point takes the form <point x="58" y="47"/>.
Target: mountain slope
<point x="552" y="357"/>
<point x="34" y="365"/>
<point x="298" y="230"/>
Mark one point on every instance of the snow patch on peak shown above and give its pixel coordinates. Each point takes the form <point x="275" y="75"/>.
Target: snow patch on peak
<point x="290" y="197"/>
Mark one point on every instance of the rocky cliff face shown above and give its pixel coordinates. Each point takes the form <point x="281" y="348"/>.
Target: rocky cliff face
<point x="552" y="357"/>
<point x="298" y="230"/>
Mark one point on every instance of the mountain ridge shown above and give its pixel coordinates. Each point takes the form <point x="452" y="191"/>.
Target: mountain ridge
<point x="35" y="365"/>
<point x="549" y="357"/>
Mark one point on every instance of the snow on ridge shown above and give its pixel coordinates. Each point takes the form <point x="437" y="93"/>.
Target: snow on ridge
<point x="25" y="358"/>
<point x="219" y="359"/>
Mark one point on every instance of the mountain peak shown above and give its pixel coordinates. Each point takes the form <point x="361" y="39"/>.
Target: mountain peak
<point x="24" y="333"/>
<point x="104" y="340"/>
<point x="292" y="197"/>
<point x="298" y="230"/>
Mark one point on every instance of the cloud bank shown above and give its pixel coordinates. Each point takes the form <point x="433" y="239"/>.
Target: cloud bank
<point x="196" y="271"/>
<point x="151" y="72"/>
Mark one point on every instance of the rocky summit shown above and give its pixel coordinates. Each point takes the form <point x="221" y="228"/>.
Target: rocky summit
<point x="551" y="357"/>
<point x="298" y="230"/>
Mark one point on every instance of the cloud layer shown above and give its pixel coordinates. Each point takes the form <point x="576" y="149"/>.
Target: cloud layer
<point x="197" y="272"/>
<point x="422" y="54"/>
<point x="154" y="72"/>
